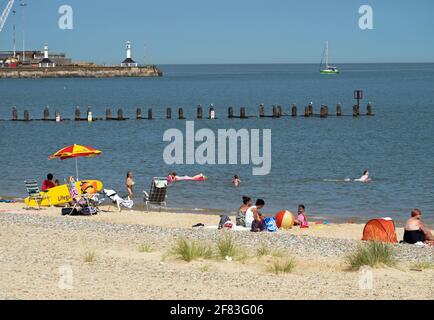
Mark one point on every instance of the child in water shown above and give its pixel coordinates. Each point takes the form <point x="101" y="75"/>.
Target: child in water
<point x="236" y="181"/>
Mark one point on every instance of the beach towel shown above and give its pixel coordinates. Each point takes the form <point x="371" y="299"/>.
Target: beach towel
<point x="112" y="195"/>
<point x="270" y="224"/>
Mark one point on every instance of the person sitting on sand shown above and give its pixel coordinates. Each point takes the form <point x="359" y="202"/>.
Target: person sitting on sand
<point x="415" y="230"/>
<point x="48" y="183"/>
<point x="254" y="219"/>
<point x="173" y="177"/>
<point x="236" y="181"/>
<point x="302" y="217"/>
<point x="241" y="215"/>
<point x="130" y="184"/>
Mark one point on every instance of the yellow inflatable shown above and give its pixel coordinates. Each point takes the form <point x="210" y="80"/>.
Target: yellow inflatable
<point x="60" y="195"/>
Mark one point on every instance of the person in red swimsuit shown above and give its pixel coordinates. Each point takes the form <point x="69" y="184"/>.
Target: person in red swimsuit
<point x="48" y="184"/>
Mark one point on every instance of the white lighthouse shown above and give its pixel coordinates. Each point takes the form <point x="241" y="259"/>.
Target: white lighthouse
<point x="46" y="62"/>
<point x="128" y="62"/>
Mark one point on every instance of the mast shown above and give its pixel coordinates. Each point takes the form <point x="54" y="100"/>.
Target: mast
<point x="327" y="54"/>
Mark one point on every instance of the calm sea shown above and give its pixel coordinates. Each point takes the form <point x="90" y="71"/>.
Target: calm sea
<point x="311" y="158"/>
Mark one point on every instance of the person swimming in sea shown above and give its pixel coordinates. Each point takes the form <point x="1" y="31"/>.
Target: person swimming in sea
<point x="236" y="181"/>
<point x="173" y="177"/>
<point x="365" y="178"/>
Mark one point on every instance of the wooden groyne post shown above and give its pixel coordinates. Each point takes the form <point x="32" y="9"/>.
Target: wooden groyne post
<point x="324" y="112"/>
<point x="150" y="116"/>
<point x="212" y="113"/>
<point x="199" y="112"/>
<point x="230" y="112"/>
<point x="57" y="117"/>
<point x="181" y="114"/>
<point x="168" y="113"/>
<point x="77" y="114"/>
<point x="243" y="113"/>
<point x="46" y="114"/>
<point x="356" y="111"/>
<point x="26" y="115"/>
<point x="294" y="110"/>
<point x="14" y="114"/>
<point x="369" y="110"/>
<point x="139" y="114"/>
<point x="339" y="110"/>
<point x="261" y="111"/>
<point x="89" y="115"/>
<point x="108" y="114"/>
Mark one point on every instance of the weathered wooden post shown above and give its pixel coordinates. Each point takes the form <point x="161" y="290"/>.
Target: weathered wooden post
<point x="139" y="114"/>
<point x="149" y="114"/>
<point x="46" y="114"/>
<point x="261" y="111"/>
<point x="77" y="114"/>
<point x="199" y="112"/>
<point x="168" y="113"/>
<point x="279" y="111"/>
<point x="356" y="111"/>
<point x="212" y="114"/>
<point x="370" y="112"/>
<point x="26" y="115"/>
<point x="293" y="110"/>
<point x="310" y="109"/>
<point x="120" y="114"/>
<point x="306" y="112"/>
<point x="243" y="113"/>
<point x="275" y="112"/>
<point x="324" y="111"/>
<point x="14" y="114"/>
<point x="181" y="114"/>
<point x="108" y="114"/>
<point x="339" y="110"/>
<point x="89" y="115"/>
<point x="230" y="112"/>
<point x="57" y="116"/>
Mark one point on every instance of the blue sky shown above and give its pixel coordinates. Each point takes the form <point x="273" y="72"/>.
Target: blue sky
<point x="224" y="31"/>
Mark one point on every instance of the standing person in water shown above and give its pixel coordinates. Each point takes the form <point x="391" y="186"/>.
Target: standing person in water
<point x="236" y="181"/>
<point x="241" y="215"/>
<point x="130" y="185"/>
<point x="415" y="229"/>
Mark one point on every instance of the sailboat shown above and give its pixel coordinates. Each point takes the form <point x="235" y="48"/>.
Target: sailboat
<point x="328" y="69"/>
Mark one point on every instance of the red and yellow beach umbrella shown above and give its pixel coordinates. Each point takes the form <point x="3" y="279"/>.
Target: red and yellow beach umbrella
<point x="75" y="151"/>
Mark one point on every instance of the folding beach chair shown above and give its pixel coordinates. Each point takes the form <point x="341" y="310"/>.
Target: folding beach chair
<point x="157" y="195"/>
<point x="35" y="194"/>
<point x="82" y="203"/>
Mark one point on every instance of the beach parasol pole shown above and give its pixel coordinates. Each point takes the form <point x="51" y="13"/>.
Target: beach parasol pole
<point x="76" y="168"/>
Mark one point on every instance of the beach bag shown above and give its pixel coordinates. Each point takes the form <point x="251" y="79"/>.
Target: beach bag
<point x="270" y="224"/>
<point x="223" y="221"/>
<point x="258" y="226"/>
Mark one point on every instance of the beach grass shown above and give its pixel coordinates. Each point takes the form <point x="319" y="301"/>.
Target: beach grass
<point x="422" y="265"/>
<point x="145" y="248"/>
<point x="189" y="250"/>
<point x="372" y="254"/>
<point x="89" y="256"/>
<point x="262" y="251"/>
<point x="226" y="247"/>
<point x="282" y="265"/>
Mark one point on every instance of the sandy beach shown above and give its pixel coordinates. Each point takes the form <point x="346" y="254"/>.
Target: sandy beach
<point x="38" y="246"/>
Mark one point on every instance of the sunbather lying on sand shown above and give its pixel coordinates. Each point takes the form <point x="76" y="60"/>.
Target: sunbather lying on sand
<point x="415" y="230"/>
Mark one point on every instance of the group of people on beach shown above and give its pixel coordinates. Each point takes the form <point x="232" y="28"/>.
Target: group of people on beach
<point x="250" y="216"/>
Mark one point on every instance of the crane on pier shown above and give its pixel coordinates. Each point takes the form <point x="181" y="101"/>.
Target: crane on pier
<point x="6" y="13"/>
